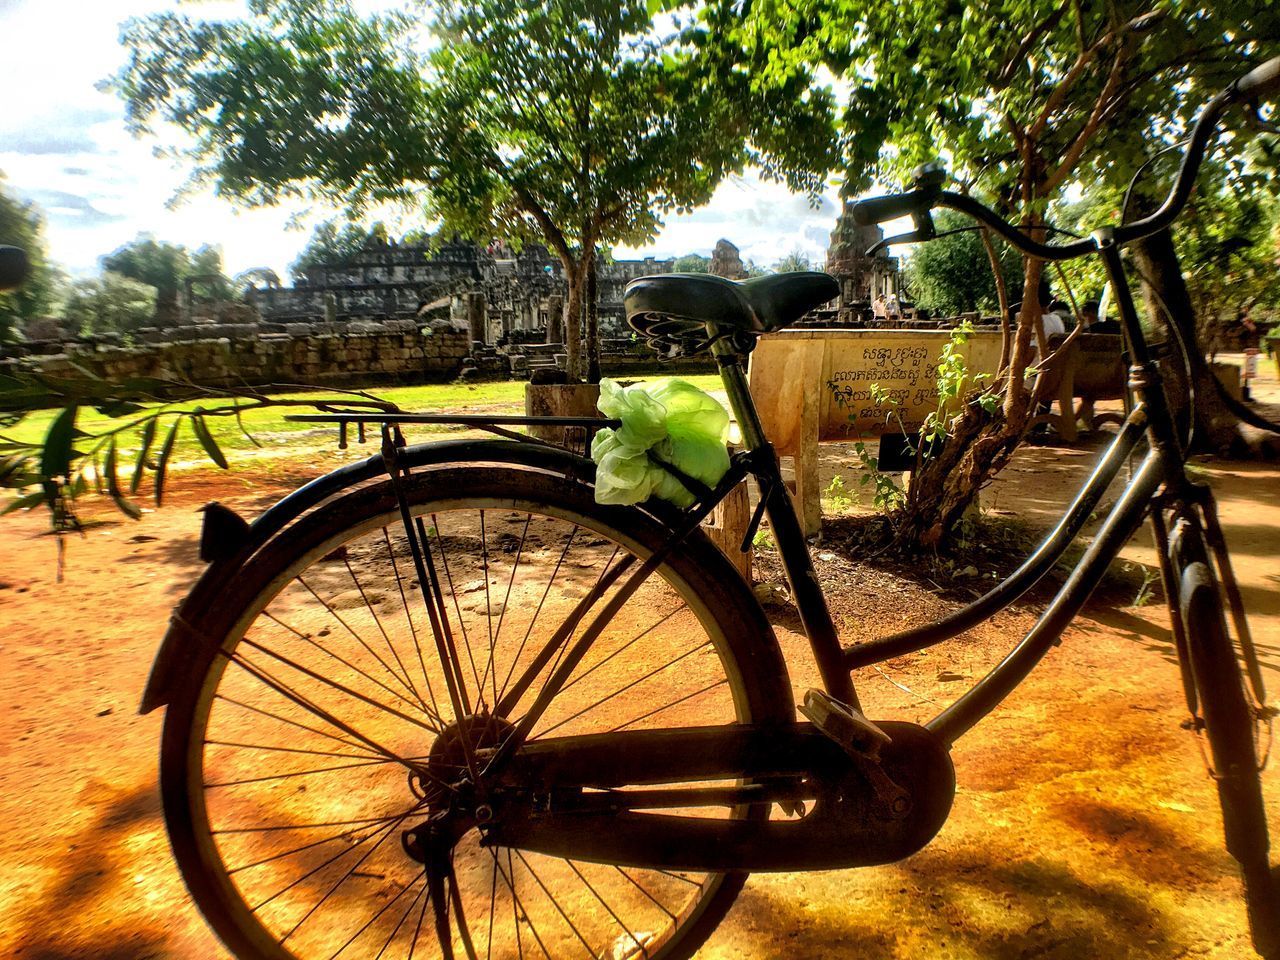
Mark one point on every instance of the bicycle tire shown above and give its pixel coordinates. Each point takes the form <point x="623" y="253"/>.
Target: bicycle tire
<point x="748" y="665"/>
<point x="1229" y="729"/>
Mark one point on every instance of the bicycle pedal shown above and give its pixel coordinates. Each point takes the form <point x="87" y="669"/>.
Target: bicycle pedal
<point x="844" y="724"/>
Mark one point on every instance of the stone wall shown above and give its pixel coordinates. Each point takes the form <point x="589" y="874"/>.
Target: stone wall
<point x="307" y="354"/>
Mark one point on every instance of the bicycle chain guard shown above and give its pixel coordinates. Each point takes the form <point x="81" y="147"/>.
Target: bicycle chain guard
<point x="582" y="807"/>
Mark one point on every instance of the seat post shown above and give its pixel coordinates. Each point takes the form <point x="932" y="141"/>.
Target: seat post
<point x="735" y="384"/>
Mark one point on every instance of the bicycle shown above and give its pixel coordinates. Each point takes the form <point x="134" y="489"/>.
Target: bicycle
<point x="601" y="777"/>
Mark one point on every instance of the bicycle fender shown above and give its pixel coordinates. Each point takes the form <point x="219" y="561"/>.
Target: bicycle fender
<point x="228" y="544"/>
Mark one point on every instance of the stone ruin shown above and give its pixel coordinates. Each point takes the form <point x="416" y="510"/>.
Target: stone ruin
<point x="413" y="312"/>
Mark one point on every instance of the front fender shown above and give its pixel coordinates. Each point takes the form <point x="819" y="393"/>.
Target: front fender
<point x="228" y="543"/>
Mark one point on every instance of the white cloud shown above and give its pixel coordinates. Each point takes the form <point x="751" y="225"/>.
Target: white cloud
<point x="63" y="144"/>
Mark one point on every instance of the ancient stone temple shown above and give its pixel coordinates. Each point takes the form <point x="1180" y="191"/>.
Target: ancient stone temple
<point x="500" y="294"/>
<point x="862" y="278"/>
<point x="726" y="261"/>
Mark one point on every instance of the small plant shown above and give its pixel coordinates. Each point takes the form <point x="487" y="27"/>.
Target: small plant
<point x="838" y="495"/>
<point x="1145" y="592"/>
<point x="763" y="540"/>
<point x="886" y="494"/>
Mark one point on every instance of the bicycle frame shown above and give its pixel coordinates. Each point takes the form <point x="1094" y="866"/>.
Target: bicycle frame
<point x="1163" y="467"/>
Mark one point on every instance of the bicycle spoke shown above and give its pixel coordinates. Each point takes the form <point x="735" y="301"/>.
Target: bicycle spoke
<point x="231" y="871"/>
<point x="518" y="907"/>
<point x="559" y="909"/>
<point x="453" y="592"/>
<point x="404" y="916"/>
<point x="340" y="687"/>
<point x="346" y="663"/>
<point x="408" y="617"/>
<point x="278" y="749"/>
<point x="645" y="716"/>
<point x="464" y="932"/>
<point x="537" y="611"/>
<point x="374" y="919"/>
<point x="625" y="687"/>
<point x="359" y="639"/>
<point x="404" y="673"/>
<point x="639" y="886"/>
<point x="383" y="831"/>
<point x="304" y="826"/>
<point x="636" y="639"/>
<point x="272" y="777"/>
<point x="561" y="636"/>
<point x="488" y="614"/>
<point x="285" y="691"/>
<point x="286" y="720"/>
<point x="389" y="829"/>
<point x="613" y="913"/>
<point x="565" y="647"/>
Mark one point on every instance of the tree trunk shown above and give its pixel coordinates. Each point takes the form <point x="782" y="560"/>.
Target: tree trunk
<point x="593" y="323"/>
<point x="978" y="445"/>
<point x="576" y="275"/>
<point x="1218" y="429"/>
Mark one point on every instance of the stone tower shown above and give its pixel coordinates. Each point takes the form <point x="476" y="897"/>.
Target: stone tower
<point x="862" y="278"/>
<point x="725" y="262"/>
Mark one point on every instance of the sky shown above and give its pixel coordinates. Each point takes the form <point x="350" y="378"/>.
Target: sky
<point x="63" y="144"/>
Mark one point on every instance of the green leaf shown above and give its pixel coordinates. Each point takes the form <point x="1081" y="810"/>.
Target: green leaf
<point x="56" y="458"/>
<point x="23" y="502"/>
<point x="162" y="462"/>
<point x="240" y="423"/>
<point x="206" y="440"/>
<point x="148" y="438"/>
<point x="125" y="505"/>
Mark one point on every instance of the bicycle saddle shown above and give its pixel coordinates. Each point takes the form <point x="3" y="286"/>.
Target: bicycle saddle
<point x="674" y="308"/>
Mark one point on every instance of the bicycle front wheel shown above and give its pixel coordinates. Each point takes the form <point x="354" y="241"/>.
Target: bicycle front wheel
<point x="1229" y="726"/>
<point x="321" y="727"/>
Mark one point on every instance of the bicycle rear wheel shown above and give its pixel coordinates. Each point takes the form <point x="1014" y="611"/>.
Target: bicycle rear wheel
<point x="1229" y="727"/>
<point x="297" y="757"/>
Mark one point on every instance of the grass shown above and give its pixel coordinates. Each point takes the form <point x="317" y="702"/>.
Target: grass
<point x="270" y="428"/>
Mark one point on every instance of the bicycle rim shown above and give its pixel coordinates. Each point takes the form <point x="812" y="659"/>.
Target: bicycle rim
<point x="287" y="777"/>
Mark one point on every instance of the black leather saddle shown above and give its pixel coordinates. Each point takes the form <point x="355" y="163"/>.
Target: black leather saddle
<point x="675" y="309"/>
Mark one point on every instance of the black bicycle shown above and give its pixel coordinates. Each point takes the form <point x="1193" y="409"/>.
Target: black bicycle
<point x="440" y="703"/>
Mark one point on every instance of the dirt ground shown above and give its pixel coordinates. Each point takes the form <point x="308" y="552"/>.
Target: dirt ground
<point x="1084" y="825"/>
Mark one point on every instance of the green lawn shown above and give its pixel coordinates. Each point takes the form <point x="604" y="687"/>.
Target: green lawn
<point x="269" y="427"/>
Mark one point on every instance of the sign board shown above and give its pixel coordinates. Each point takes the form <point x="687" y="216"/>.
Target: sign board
<point x="834" y="375"/>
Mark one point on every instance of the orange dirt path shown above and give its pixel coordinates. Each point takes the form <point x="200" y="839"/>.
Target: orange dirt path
<point x="1084" y="823"/>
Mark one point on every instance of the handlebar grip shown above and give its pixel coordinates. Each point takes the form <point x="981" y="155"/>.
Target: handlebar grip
<point x="1259" y="83"/>
<point x="893" y="206"/>
<point x="13" y="267"/>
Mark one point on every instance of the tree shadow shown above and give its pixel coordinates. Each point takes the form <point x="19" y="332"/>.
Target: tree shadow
<point x="78" y="914"/>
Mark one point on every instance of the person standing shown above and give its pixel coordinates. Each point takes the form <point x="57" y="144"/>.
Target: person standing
<point x="879" y="310"/>
<point x="1251" y="340"/>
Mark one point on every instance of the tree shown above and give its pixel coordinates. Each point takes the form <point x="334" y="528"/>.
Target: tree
<point x="111" y="303"/>
<point x="22" y="225"/>
<point x="331" y="243"/>
<point x="574" y="122"/>
<point x="692" y="263"/>
<point x="167" y="266"/>
<point x="953" y="274"/>
<point x="1026" y="98"/>
<point x="796" y="260"/>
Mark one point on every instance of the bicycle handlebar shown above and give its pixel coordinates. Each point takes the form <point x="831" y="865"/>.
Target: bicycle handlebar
<point x="893" y="206"/>
<point x="1261" y="82"/>
<point x="13" y="267"/>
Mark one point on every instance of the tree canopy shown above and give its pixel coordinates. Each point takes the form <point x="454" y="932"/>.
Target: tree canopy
<point x="577" y="122"/>
<point x="1024" y="99"/>
<point x="952" y="274"/>
<point x="22" y="225"/>
<point x="111" y="303"/>
<point x="166" y="266"/>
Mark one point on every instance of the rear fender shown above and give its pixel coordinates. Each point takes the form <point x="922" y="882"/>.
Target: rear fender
<point x="227" y="543"/>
